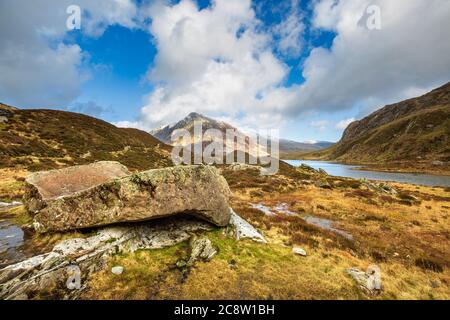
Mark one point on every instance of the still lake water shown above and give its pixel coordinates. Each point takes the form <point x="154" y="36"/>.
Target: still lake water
<point x="344" y="170"/>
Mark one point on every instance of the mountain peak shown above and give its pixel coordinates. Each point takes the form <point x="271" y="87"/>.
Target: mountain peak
<point x="195" y="115"/>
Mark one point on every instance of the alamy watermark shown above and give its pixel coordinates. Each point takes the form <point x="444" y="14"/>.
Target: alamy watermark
<point x="214" y="146"/>
<point x="73" y="21"/>
<point x="373" y="17"/>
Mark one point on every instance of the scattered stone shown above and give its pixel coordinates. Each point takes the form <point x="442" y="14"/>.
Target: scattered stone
<point x="181" y="264"/>
<point x="241" y="229"/>
<point x="305" y="167"/>
<point x="437" y="163"/>
<point x="299" y="251"/>
<point x="117" y="270"/>
<point x="3" y="119"/>
<point x="323" y="172"/>
<point x="323" y="184"/>
<point x="201" y="249"/>
<point x="369" y="281"/>
<point x="236" y="166"/>
<point x="71" y="204"/>
<point x="380" y="188"/>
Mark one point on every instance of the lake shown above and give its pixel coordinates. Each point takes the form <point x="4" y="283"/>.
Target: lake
<point x="344" y="170"/>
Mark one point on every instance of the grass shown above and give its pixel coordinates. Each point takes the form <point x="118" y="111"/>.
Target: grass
<point x="247" y="270"/>
<point x="410" y="242"/>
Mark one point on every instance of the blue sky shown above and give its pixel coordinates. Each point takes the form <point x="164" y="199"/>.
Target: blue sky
<point x="305" y="67"/>
<point x="125" y="55"/>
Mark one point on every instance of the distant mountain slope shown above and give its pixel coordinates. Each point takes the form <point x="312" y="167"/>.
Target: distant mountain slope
<point x="414" y="130"/>
<point x="164" y="134"/>
<point x="44" y="139"/>
<point x="290" y="149"/>
<point x="286" y="146"/>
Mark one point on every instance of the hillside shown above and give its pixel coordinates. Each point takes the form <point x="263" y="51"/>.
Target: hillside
<point x="411" y="133"/>
<point x="292" y="149"/>
<point x="44" y="139"/>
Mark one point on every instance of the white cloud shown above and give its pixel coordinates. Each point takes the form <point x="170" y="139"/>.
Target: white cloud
<point x="341" y="125"/>
<point x="289" y="33"/>
<point x="319" y="124"/>
<point x="203" y="65"/>
<point x="36" y="68"/>
<point x="409" y="55"/>
<point x="212" y="61"/>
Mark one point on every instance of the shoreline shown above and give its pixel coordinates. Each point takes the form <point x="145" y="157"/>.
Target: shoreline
<point x="443" y="170"/>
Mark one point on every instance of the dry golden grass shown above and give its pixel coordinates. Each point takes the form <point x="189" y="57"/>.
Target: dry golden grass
<point x="409" y="240"/>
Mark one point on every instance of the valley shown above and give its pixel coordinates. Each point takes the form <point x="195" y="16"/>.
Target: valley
<point x="309" y="233"/>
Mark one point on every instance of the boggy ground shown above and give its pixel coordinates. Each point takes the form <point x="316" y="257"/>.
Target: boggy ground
<point x="407" y="235"/>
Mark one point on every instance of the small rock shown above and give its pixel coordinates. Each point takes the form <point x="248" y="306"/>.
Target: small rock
<point x="299" y="251"/>
<point x="181" y="264"/>
<point x="305" y="167"/>
<point x="323" y="184"/>
<point x="241" y="229"/>
<point x="321" y="171"/>
<point x="117" y="270"/>
<point x="434" y="284"/>
<point x="201" y="248"/>
<point x="369" y="281"/>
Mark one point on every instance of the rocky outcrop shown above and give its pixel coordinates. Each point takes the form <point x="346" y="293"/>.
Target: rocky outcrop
<point x="369" y="281"/>
<point x="241" y="229"/>
<point x="201" y="249"/>
<point x="196" y="190"/>
<point x="299" y="251"/>
<point x="57" y="270"/>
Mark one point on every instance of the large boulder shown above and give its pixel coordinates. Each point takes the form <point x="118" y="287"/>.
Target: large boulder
<point x="196" y="190"/>
<point x="44" y="186"/>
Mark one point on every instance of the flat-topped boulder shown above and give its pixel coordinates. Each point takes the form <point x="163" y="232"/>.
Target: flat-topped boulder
<point x="195" y="190"/>
<point x="47" y="185"/>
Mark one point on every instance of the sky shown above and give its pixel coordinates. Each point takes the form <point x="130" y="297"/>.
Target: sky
<point x="307" y="68"/>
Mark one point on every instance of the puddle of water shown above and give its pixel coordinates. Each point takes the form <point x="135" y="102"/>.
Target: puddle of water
<point x="11" y="239"/>
<point x="284" y="208"/>
<point x="5" y="206"/>
<point x="262" y="208"/>
<point x="327" y="225"/>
